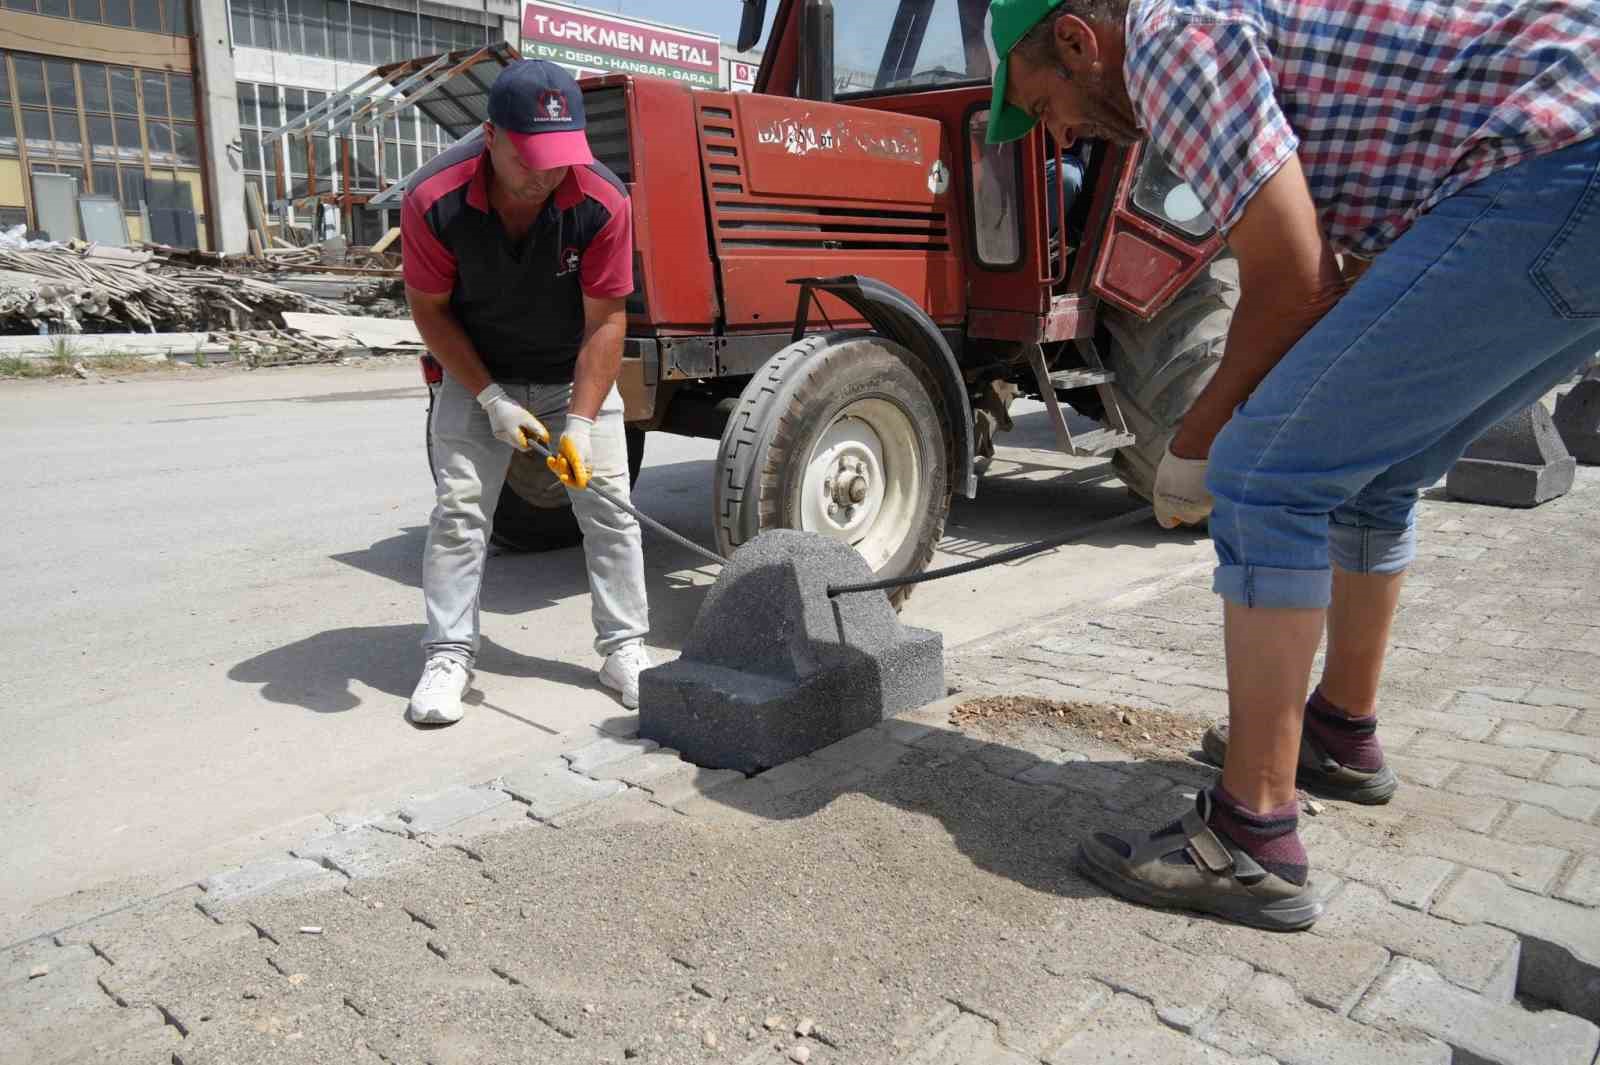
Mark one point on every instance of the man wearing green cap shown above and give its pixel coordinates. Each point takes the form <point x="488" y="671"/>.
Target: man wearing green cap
<point x="1445" y="155"/>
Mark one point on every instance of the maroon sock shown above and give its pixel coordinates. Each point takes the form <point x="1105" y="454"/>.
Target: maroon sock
<point x="1350" y="741"/>
<point x="1271" y="838"/>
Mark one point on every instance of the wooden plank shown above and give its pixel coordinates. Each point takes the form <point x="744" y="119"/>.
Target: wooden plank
<point x="388" y="239"/>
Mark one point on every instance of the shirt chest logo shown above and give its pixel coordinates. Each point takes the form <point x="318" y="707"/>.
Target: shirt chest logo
<point x="570" y="260"/>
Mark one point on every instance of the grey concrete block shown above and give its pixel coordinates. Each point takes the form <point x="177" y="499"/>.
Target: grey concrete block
<point x="1520" y="462"/>
<point x="1560" y="941"/>
<point x="1266" y="1016"/>
<point x="1480" y="958"/>
<point x="436" y="812"/>
<point x="364" y="852"/>
<point x="550" y="788"/>
<point x="1127" y="1032"/>
<point x="1577" y="419"/>
<point x="1412" y="995"/>
<point x="773" y="669"/>
<point x="605" y="750"/>
<point x="274" y="876"/>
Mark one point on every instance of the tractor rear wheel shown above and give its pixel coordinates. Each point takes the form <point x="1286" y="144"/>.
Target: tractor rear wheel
<point x="841" y="435"/>
<point x="1163" y="364"/>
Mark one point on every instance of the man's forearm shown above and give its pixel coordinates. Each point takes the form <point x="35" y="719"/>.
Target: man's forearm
<point x="599" y="363"/>
<point x="1267" y="322"/>
<point x="449" y="343"/>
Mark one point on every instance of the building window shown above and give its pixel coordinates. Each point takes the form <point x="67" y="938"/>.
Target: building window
<point x="113" y="129"/>
<point x="335" y="29"/>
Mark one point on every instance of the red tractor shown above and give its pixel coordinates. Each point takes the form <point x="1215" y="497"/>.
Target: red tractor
<point x="845" y="284"/>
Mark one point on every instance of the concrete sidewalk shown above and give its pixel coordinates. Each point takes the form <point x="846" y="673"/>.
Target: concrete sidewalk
<point x="907" y="894"/>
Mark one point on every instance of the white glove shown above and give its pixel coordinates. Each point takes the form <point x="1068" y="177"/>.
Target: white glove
<point x="574" y="457"/>
<point x="511" y="421"/>
<point x="1180" y="495"/>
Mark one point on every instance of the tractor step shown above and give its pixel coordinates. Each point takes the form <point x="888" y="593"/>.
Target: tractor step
<point x="1069" y="379"/>
<point x="1100" y="442"/>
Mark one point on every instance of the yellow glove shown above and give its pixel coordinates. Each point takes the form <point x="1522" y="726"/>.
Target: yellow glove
<point x="510" y="420"/>
<point x="1180" y="496"/>
<point x="573" y="459"/>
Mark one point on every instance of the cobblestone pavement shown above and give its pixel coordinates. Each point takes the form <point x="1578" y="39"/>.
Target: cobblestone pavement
<point x="907" y="895"/>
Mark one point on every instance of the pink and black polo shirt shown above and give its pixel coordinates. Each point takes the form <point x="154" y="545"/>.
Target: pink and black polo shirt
<point x="520" y="303"/>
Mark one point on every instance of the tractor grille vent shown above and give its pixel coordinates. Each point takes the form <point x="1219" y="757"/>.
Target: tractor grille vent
<point x="607" y="113"/>
<point x="743" y="221"/>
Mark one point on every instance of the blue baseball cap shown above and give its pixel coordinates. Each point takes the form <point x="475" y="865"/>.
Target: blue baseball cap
<point x="539" y="107"/>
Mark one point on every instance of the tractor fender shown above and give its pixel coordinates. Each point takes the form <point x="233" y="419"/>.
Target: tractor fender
<point x="895" y="315"/>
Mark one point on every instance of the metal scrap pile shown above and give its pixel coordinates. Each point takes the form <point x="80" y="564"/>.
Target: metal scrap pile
<point x="95" y="289"/>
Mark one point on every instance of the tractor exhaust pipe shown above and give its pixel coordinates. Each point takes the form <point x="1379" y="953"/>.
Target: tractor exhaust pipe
<point x="816" y="51"/>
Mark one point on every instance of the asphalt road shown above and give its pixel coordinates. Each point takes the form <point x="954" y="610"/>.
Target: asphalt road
<point x="213" y="581"/>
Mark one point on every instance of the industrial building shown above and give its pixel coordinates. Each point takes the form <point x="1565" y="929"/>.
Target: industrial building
<point x="149" y="119"/>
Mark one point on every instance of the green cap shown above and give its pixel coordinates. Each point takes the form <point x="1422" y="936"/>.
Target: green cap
<point x="1009" y="21"/>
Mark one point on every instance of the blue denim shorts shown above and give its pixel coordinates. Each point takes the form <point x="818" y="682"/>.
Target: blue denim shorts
<point x="1485" y="304"/>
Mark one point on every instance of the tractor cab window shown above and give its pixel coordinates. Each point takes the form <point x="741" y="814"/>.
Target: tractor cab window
<point x="910" y="45"/>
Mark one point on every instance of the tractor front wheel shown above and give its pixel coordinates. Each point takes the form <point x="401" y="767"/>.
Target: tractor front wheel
<point x="841" y="435"/>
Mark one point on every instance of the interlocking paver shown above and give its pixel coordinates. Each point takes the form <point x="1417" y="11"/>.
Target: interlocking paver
<point x="1571" y="771"/>
<point x="1127" y="1032"/>
<point x="1184" y="987"/>
<point x="1516" y="735"/>
<point x="1408" y="879"/>
<point x="1519" y="763"/>
<point x="1583" y="884"/>
<point x="1480" y="958"/>
<point x="584" y="760"/>
<point x="1560" y="941"/>
<point x="1539" y="825"/>
<point x="550" y="788"/>
<point x="362" y="852"/>
<point x="1575" y="802"/>
<point x="439" y="811"/>
<point x="1266" y="1016"/>
<point x="1331" y="972"/>
<point x="1412" y="995"/>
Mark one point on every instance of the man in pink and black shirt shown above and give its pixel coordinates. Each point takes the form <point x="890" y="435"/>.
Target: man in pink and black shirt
<point x="518" y="264"/>
<point x="1412" y="192"/>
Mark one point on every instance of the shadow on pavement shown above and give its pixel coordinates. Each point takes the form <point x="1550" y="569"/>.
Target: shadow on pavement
<point x="1016" y="809"/>
<point x="317" y="673"/>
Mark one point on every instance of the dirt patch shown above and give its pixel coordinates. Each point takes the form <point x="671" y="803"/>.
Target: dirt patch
<point x="1143" y="732"/>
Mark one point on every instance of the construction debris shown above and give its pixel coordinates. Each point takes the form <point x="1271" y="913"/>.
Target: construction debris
<point x="283" y="306"/>
<point x="96" y="289"/>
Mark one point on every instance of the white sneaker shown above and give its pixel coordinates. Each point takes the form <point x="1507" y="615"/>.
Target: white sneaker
<point x="621" y="672"/>
<point x="437" y="698"/>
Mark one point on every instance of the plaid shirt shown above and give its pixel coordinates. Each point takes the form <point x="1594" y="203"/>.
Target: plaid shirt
<point x="1392" y="105"/>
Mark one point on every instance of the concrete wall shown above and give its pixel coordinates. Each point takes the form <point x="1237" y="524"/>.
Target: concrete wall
<point x="219" y="103"/>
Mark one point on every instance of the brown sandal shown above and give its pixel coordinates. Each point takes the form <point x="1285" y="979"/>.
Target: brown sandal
<point x="1318" y="773"/>
<point x="1187" y="866"/>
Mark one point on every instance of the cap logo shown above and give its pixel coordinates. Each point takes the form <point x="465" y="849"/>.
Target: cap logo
<point x="553" y="107"/>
